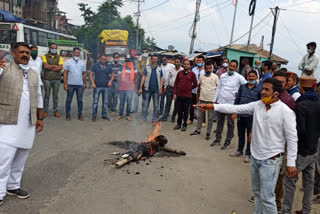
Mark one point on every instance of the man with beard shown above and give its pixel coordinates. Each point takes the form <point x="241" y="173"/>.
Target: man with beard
<point x="20" y="117"/>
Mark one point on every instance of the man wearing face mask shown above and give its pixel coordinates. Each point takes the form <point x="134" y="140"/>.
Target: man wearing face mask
<point x="35" y="63"/>
<point x="246" y="67"/>
<point x="206" y="91"/>
<point x="224" y="67"/>
<point x="274" y="127"/>
<point x="166" y="68"/>
<point x="114" y="89"/>
<point x="171" y="79"/>
<point x="74" y="79"/>
<point x="198" y="70"/>
<point x="53" y="64"/>
<point x="247" y="93"/>
<point x="20" y="118"/>
<point x="226" y="94"/>
<point x="310" y="61"/>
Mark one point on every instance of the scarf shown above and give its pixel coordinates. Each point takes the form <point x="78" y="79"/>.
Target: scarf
<point x="123" y="74"/>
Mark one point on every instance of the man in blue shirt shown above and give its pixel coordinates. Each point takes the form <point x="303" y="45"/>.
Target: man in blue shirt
<point x="151" y="84"/>
<point x="100" y="85"/>
<point x="265" y="67"/>
<point x="74" y="79"/>
<point x="247" y="93"/>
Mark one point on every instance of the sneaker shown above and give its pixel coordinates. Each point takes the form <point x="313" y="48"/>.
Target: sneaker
<point x="195" y="133"/>
<point x="80" y="117"/>
<point x="235" y="154"/>
<point x="208" y="137"/>
<point x="163" y="119"/>
<point x="298" y="212"/>
<point x="45" y="114"/>
<point x="128" y="118"/>
<point x="189" y="122"/>
<point x="57" y="114"/>
<point x="316" y="200"/>
<point x="94" y="119"/>
<point x="68" y="117"/>
<point x="247" y="159"/>
<point x="106" y="118"/>
<point x="203" y="124"/>
<point x="177" y="127"/>
<point x="215" y="142"/>
<point x="20" y="193"/>
<point x="225" y="145"/>
<point x="251" y="199"/>
<point x="119" y="117"/>
<point x="184" y="128"/>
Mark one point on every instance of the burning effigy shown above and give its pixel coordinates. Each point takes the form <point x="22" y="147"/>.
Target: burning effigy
<point x="153" y="144"/>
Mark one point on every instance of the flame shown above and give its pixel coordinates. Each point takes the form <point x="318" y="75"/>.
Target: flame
<point x="154" y="133"/>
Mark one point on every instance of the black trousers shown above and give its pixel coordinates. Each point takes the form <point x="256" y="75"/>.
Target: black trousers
<point x="194" y="101"/>
<point x="183" y="106"/>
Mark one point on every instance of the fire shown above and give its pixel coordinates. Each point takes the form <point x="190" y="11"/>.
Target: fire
<point x="154" y="133"/>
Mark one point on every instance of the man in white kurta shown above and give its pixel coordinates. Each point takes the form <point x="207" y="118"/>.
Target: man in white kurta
<point x="35" y="62"/>
<point x="17" y="139"/>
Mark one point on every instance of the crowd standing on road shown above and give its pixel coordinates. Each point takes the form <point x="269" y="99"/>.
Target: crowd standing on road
<point x="276" y="111"/>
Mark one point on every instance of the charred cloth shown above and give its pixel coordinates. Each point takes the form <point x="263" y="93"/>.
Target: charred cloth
<point x="138" y="151"/>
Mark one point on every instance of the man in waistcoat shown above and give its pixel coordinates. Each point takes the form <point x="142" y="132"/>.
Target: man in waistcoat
<point x="53" y="64"/>
<point x="20" y="117"/>
<point x="151" y="83"/>
<point x="292" y="85"/>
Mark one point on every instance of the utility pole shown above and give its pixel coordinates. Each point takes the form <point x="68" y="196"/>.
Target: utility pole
<point x="275" y="11"/>
<point x="138" y="14"/>
<point x="196" y="19"/>
<point x="234" y="21"/>
<point x="251" y="13"/>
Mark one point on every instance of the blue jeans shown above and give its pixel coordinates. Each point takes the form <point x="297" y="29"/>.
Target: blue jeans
<point x="264" y="176"/>
<point x="113" y="96"/>
<point x="96" y="95"/>
<point x="162" y="98"/>
<point x="155" y="99"/>
<point x="79" y="91"/>
<point x="125" y="97"/>
<point x="55" y="85"/>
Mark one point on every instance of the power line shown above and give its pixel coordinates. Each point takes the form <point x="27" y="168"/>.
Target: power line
<point x="293" y="5"/>
<point x="191" y="14"/>
<point x="155" y="6"/>
<point x="298" y="11"/>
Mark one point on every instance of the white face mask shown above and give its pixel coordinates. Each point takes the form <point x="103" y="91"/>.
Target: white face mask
<point x="24" y="67"/>
<point x="225" y="65"/>
<point x="76" y="58"/>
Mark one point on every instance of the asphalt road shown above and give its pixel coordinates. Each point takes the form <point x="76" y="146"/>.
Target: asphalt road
<point x="69" y="171"/>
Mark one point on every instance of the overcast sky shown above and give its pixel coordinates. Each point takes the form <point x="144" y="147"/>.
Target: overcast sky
<point x="297" y="25"/>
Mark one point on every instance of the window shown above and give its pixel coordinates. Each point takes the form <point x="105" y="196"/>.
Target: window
<point x="34" y="37"/>
<point x="43" y="39"/>
<point x="51" y="36"/>
<point x="27" y="35"/>
<point x="8" y="36"/>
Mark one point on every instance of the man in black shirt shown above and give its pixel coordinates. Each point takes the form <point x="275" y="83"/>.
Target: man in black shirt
<point x="308" y="115"/>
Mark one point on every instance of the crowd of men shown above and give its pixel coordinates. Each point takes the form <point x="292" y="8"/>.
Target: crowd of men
<point x="276" y="112"/>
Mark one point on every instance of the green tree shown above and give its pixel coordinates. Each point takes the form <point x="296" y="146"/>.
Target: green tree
<point x="107" y="17"/>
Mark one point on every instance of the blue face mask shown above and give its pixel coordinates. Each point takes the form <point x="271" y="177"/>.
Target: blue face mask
<point x="256" y="66"/>
<point x="199" y="64"/>
<point x="309" y="51"/>
<point x="252" y="82"/>
<point x="53" y="51"/>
